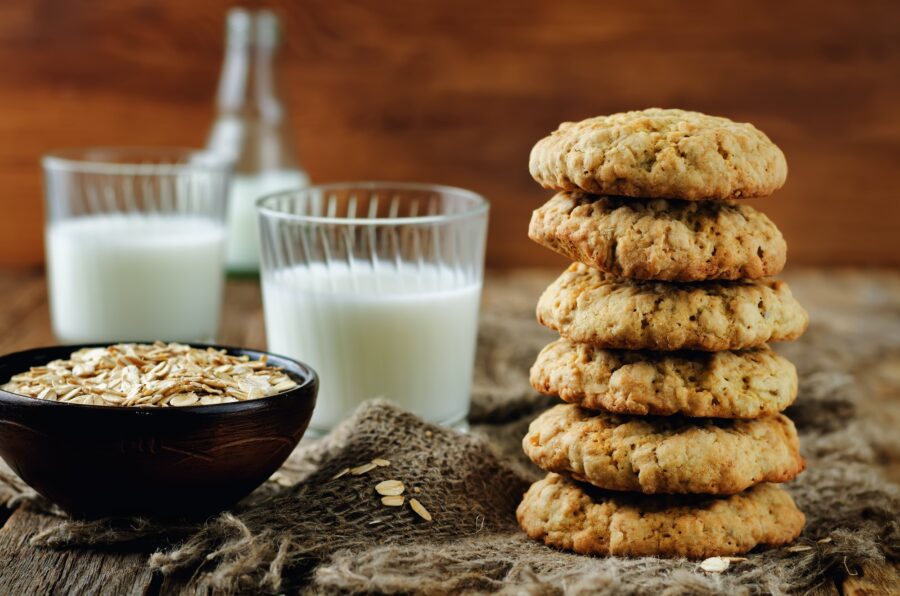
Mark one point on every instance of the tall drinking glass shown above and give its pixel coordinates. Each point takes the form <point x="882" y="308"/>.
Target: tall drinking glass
<point x="377" y="286"/>
<point x="135" y="243"/>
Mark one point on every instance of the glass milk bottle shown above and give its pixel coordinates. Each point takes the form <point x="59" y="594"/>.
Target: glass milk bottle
<point x="252" y="129"/>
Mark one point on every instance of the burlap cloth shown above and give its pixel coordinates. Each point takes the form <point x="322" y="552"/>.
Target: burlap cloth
<point x="304" y="531"/>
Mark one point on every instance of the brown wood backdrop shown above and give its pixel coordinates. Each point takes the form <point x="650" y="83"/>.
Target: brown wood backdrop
<point x="458" y="91"/>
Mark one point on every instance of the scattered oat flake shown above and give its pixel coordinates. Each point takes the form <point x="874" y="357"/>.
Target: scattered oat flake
<point x="428" y="433"/>
<point x="417" y="490"/>
<point x="799" y="548"/>
<point x="380" y="462"/>
<point x="343" y="472"/>
<point x="825" y="540"/>
<point x="358" y="470"/>
<point x="390" y="488"/>
<point x="715" y="564"/>
<point x="280" y="479"/>
<point x="736" y="559"/>
<point x="393" y="501"/>
<point x="420" y="509"/>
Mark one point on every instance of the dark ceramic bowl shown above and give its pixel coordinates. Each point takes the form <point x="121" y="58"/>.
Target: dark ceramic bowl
<point x="97" y="461"/>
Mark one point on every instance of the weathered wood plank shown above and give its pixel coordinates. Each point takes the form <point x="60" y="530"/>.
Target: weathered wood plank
<point x="873" y="580"/>
<point x="24" y="318"/>
<point x="29" y="570"/>
<point x="242" y="318"/>
<point x="458" y="92"/>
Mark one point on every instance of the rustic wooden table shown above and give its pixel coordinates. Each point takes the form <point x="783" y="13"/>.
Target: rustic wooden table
<point x="24" y="322"/>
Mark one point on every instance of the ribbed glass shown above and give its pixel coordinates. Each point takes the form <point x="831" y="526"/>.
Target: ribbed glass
<point x="377" y="286"/>
<point x="135" y="243"/>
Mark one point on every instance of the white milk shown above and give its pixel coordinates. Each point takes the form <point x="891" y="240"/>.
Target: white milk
<point x="406" y="335"/>
<point x="243" y="229"/>
<point x="121" y="277"/>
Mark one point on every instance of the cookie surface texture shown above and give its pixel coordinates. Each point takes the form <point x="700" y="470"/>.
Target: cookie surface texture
<point x="738" y="384"/>
<point x="661" y="239"/>
<point x="660" y="153"/>
<point x="574" y="517"/>
<point x="586" y="305"/>
<point x="670" y="455"/>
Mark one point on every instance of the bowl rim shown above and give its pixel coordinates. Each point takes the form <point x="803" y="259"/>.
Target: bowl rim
<point x="308" y="388"/>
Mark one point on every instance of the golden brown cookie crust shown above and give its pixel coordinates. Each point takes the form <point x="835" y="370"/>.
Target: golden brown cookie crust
<point x="731" y="384"/>
<point x="664" y="153"/>
<point x="574" y="517"/>
<point x="661" y="239"/>
<point x="586" y="305"/>
<point x="669" y="455"/>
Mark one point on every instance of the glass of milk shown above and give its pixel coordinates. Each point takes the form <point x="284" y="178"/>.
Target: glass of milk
<point x="135" y="243"/>
<point x="377" y="286"/>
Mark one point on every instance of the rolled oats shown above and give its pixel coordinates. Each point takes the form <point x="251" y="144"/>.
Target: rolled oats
<point x="419" y="509"/>
<point x="151" y="375"/>
<point x="390" y="488"/>
<point x="715" y="564"/>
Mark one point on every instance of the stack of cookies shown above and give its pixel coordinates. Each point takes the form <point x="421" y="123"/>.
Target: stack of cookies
<point x="671" y="439"/>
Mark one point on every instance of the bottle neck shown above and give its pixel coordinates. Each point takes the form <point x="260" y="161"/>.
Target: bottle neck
<point x="251" y="127"/>
<point x="248" y="85"/>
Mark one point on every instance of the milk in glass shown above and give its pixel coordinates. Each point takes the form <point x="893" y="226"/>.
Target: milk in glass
<point x="120" y="277"/>
<point x="243" y="230"/>
<point x="403" y="332"/>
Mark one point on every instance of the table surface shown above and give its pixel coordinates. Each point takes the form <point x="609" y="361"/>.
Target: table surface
<point x="24" y="323"/>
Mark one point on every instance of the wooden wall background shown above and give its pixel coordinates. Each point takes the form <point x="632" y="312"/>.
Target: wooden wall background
<point x="458" y="91"/>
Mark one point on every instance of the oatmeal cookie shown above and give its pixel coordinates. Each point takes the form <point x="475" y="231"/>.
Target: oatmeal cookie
<point x="660" y="153"/>
<point x="664" y="454"/>
<point x="589" y="521"/>
<point x="586" y="305"/>
<point x="730" y="384"/>
<point x="661" y="239"/>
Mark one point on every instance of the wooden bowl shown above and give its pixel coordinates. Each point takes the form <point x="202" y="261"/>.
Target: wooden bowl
<point x="96" y="461"/>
